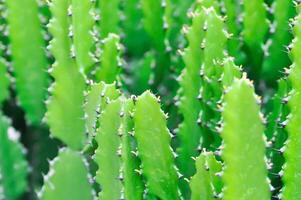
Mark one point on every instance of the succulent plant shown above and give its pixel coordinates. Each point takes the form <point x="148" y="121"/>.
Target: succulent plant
<point x="150" y="99"/>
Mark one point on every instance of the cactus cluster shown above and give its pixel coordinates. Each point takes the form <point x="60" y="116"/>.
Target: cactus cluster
<point x="150" y="99"/>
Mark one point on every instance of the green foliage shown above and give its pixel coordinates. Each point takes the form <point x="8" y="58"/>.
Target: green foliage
<point x="245" y="170"/>
<point x="29" y="58"/>
<point x="65" y="114"/>
<point x="60" y="182"/>
<point x="156" y="156"/>
<point x="13" y="166"/>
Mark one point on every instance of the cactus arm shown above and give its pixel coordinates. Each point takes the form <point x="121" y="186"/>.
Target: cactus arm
<point x="156" y="156"/>
<point x="29" y="59"/>
<point x="106" y="155"/>
<point x="133" y="185"/>
<point x="95" y="103"/>
<point x="13" y="166"/>
<point x="200" y="182"/>
<point x="110" y="60"/>
<point x="82" y="24"/>
<point x="109" y="17"/>
<point x="61" y="182"/>
<point x="255" y="28"/>
<point x="65" y="114"/>
<point x="277" y="57"/>
<point x="211" y="71"/>
<point x="4" y="82"/>
<point x="292" y="176"/>
<point x="205" y="184"/>
<point x="214" y="44"/>
<point x="189" y="105"/>
<point x="277" y="134"/>
<point x="245" y="175"/>
<point x="232" y="11"/>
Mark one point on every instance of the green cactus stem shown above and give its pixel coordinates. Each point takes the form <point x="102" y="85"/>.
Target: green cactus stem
<point x="276" y="56"/>
<point x="245" y="174"/>
<point x="156" y="156"/>
<point x="29" y="58"/>
<point x="110" y="60"/>
<point x="82" y="25"/>
<point x="255" y="27"/>
<point x="292" y="176"/>
<point x="65" y="114"/>
<point x="96" y="99"/>
<point x="68" y="178"/>
<point x="109" y="17"/>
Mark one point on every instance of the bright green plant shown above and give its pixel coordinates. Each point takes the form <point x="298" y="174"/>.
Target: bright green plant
<point x="245" y="169"/>
<point x="156" y="157"/>
<point x="65" y="109"/>
<point x="60" y="182"/>
<point x="206" y="184"/>
<point x="291" y="172"/>
<point x="29" y="58"/>
<point x="203" y="137"/>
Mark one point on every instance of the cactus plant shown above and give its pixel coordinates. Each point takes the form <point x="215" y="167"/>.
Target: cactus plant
<point x="206" y="184"/>
<point x="245" y="168"/>
<point x="62" y="109"/>
<point x="29" y="58"/>
<point x="161" y="175"/>
<point x="60" y="182"/>
<point x="110" y="60"/>
<point x="203" y="137"/>
<point x="82" y="12"/>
